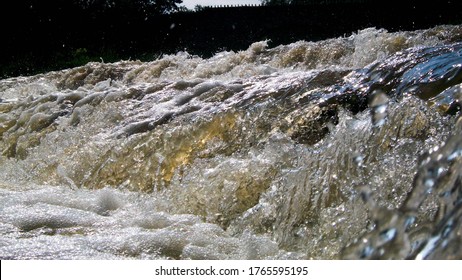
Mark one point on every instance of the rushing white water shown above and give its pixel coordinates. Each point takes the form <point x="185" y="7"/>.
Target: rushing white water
<point x="343" y="148"/>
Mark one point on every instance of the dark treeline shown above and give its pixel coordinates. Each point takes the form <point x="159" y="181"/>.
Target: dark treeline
<point x="50" y="34"/>
<point x="54" y="34"/>
<point x="311" y="2"/>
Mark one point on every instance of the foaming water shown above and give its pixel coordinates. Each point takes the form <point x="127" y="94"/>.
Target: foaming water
<point x="344" y="148"/>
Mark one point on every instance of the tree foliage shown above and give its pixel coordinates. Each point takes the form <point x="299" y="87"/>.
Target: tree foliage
<point x="147" y="7"/>
<point x="302" y="2"/>
<point x="129" y="6"/>
<point x="281" y="2"/>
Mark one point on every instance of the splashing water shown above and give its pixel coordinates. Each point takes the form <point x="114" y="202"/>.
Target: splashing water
<point x="338" y="149"/>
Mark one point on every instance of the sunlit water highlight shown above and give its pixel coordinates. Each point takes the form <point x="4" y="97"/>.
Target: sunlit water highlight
<point x="344" y="148"/>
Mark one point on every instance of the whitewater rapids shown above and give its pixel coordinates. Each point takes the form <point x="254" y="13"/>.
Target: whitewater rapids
<point x="347" y="148"/>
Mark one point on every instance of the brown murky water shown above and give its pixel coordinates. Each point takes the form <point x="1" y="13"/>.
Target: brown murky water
<point x="344" y="148"/>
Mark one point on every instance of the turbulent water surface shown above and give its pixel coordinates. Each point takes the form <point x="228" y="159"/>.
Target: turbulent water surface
<point x="348" y="148"/>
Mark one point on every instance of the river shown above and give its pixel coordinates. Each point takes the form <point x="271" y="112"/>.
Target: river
<point x="346" y="148"/>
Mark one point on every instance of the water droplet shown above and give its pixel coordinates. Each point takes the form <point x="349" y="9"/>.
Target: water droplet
<point x="429" y="183"/>
<point x="409" y="221"/>
<point x="447" y="229"/>
<point x="454" y="155"/>
<point x="379" y="106"/>
<point x="366" y="252"/>
<point x="388" y="234"/>
<point x="358" y="159"/>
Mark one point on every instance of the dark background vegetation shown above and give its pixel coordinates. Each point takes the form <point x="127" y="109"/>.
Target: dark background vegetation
<point x="44" y="35"/>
